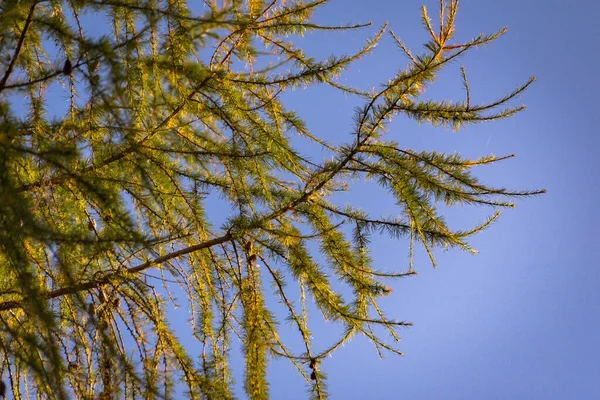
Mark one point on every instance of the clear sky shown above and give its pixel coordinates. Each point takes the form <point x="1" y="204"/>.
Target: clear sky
<point x="520" y="320"/>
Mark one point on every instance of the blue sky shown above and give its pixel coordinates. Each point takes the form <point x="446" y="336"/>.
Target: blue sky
<point x="521" y="319"/>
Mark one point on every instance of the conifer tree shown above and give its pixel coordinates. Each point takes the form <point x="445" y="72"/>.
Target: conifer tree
<point x="103" y="219"/>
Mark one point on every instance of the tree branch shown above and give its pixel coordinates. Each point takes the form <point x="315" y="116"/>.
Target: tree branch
<point x="10" y="305"/>
<point x="13" y="61"/>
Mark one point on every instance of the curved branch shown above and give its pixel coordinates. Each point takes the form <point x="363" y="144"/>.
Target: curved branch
<point x="13" y="61"/>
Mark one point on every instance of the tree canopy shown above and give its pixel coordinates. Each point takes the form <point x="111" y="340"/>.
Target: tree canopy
<point x="103" y="207"/>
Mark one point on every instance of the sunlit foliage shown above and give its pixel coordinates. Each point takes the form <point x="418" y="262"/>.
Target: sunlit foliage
<point x="103" y="217"/>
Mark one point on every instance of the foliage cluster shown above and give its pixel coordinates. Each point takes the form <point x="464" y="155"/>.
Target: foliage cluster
<point x="103" y="209"/>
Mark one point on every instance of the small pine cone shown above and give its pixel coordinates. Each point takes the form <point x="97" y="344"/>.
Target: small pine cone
<point x="68" y="67"/>
<point x="252" y="258"/>
<point x="313" y="376"/>
<point x="248" y="247"/>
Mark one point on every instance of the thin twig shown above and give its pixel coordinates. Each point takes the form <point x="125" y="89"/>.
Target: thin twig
<point x="13" y="61"/>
